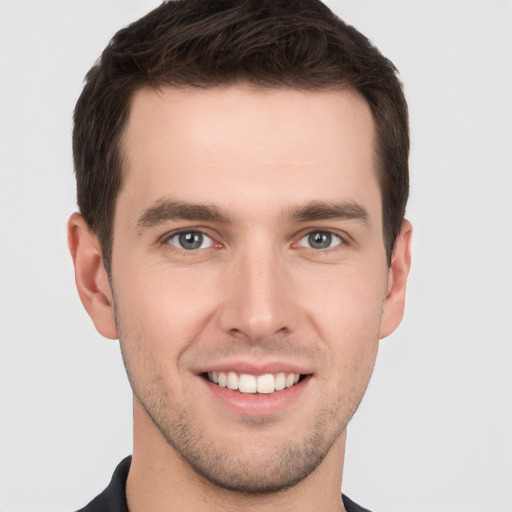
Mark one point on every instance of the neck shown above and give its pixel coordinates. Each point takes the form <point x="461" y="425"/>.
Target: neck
<point x="160" y="480"/>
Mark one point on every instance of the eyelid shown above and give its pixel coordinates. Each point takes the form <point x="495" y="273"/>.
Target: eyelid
<point x="344" y="238"/>
<point x="166" y="239"/>
<point x="335" y="239"/>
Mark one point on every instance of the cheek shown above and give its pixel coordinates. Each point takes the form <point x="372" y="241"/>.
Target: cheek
<point x="159" y="316"/>
<point x="163" y="308"/>
<point x="345" y="303"/>
<point x="345" y="311"/>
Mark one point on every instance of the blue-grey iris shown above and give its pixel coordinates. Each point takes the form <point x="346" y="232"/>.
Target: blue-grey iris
<point x="320" y="240"/>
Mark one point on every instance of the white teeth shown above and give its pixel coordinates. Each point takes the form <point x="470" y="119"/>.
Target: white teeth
<point x="247" y="383"/>
<point x="266" y="383"/>
<point x="280" y="381"/>
<point x="232" y="380"/>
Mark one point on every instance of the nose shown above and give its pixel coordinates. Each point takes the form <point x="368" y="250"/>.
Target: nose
<point x="259" y="297"/>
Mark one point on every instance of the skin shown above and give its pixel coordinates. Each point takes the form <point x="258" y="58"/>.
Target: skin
<point x="255" y="295"/>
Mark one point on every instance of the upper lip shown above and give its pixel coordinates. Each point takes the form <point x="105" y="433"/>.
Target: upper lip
<point x="253" y="368"/>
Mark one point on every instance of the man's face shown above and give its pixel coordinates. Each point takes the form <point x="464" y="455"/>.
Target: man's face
<point x="248" y="250"/>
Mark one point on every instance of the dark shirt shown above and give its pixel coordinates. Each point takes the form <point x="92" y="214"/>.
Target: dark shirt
<point x="113" y="498"/>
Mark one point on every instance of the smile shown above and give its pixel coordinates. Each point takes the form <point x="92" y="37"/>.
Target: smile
<point x="247" y="383"/>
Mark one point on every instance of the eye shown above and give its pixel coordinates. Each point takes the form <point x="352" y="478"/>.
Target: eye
<point x="190" y="240"/>
<point x="320" y="240"/>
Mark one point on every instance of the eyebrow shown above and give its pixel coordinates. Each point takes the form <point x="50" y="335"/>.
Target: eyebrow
<point x="166" y="210"/>
<point x="169" y="210"/>
<point x="323" y="210"/>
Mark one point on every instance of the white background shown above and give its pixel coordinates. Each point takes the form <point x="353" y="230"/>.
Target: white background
<point x="434" y="430"/>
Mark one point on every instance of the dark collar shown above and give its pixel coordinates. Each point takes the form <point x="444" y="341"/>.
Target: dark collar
<point x="113" y="498"/>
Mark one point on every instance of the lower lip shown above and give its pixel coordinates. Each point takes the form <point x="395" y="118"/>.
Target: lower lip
<point x="258" y="404"/>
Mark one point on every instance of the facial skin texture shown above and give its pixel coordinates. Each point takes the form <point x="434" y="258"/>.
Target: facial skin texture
<point x="271" y="167"/>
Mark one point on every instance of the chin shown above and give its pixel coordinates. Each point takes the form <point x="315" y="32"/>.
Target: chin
<point x="251" y="463"/>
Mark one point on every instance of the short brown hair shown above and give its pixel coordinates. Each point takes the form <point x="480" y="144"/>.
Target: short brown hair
<point x="298" y="44"/>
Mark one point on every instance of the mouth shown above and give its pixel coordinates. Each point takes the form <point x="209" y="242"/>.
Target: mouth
<point x="254" y="384"/>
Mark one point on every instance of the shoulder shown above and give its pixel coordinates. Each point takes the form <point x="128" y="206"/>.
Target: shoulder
<point x="113" y="498"/>
<point x="350" y="506"/>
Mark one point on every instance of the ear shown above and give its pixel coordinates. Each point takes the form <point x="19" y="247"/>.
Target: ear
<point x="90" y="276"/>
<point x="394" y="303"/>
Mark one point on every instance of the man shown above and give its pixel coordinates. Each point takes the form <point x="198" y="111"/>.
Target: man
<point x="242" y="179"/>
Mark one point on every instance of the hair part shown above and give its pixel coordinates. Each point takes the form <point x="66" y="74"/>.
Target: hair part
<point x="298" y="44"/>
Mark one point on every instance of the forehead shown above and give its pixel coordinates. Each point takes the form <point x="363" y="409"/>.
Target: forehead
<point x="249" y="148"/>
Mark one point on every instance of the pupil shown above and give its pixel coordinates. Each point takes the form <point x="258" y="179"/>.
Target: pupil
<point x="320" y="240"/>
<point x="191" y="240"/>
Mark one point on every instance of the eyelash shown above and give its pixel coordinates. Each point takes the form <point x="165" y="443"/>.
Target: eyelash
<point x="168" y="238"/>
<point x="332" y="237"/>
<point x="338" y="238"/>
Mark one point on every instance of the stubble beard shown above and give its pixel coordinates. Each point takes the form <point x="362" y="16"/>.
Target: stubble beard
<point x="264" y="472"/>
<point x="267" y="472"/>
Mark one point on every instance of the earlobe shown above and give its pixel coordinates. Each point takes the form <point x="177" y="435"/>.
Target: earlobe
<point x="90" y="276"/>
<point x="394" y="303"/>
